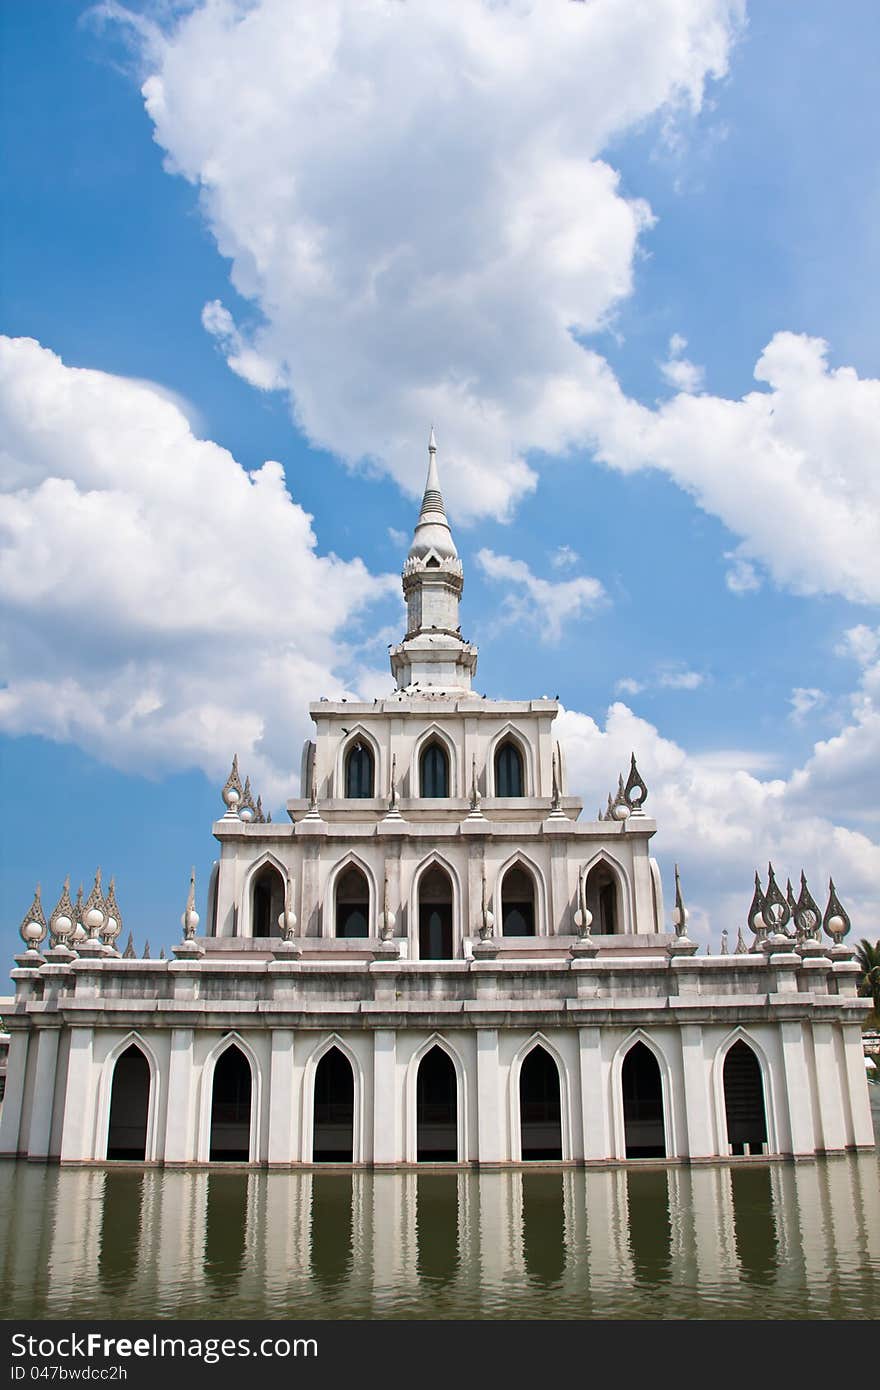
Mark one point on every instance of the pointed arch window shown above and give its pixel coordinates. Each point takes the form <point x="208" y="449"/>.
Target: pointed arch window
<point x="603" y="900"/>
<point x="267" y="901"/>
<point x="359" y="771"/>
<point x="352" y="904"/>
<point x="434" y="771"/>
<point x="509" y="778"/>
<point x="517" y="902"/>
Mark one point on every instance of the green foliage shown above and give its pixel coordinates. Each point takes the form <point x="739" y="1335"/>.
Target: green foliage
<point x="868" y="958"/>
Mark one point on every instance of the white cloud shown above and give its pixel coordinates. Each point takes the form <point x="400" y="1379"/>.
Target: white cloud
<point x="804" y="700"/>
<point x="162" y="607"/>
<point x="681" y="679"/>
<point x="721" y="821"/>
<point x="563" y="557"/>
<point x="627" y="685"/>
<point x="678" y="371"/>
<point x="742" y="577"/>
<point x="546" y="605"/>
<point x="860" y="642"/>
<point x="414" y="198"/>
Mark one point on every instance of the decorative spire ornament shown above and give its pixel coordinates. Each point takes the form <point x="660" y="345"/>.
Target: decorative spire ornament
<point x="741" y="949"/>
<point x="487" y="919"/>
<point x="79" y="932"/>
<point x="620" y="805"/>
<point x="246" y="807"/>
<point x="161" y="952"/>
<point x="260" y="818"/>
<point x="755" y="917"/>
<point x="93" y="911"/>
<point x="129" y="952"/>
<point x="679" y="912"/>
<point x="33" y="927"/>
<point x="232" y="790"/>
<point x="388" y="921"/>
<point x="725" y="950"/>
<point x="112" y="927"/>
<point x="807" y="914"/>
<point x="475" y="790"/>
<point x="836" y="920"/>
<point x="287" y="917"/>
<point x="635" y="791"/>
<point x="190" y="918"/>
<point x="146" y="955"/>
<point x="776" y="912"/>
<point x="583" y="917"/>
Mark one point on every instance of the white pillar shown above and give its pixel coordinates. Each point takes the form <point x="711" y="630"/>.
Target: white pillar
<point x="386" y="1102"/>
<point x="699" y="1142"/>
<point x="10" y="1111"/>
<point x="829" y="1084"/>
<point x="862" y="1131"/>
<point x="594" y="1081"/>
<point x="283" y="1139"/>
<point x="493" y="1142"/>
<point x="797" y="1085"/>
<point x="76" y="1135"/>
<point x="180" y="1142"/>
<point x="44" y="1092"/>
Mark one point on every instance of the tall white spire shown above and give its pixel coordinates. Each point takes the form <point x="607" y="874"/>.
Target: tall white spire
<point x="433" y="656"/>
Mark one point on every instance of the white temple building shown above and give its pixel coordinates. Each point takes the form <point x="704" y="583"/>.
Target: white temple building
<point x="435" y="959"/>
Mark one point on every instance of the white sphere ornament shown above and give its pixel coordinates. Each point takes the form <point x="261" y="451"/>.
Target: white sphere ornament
<point x="679" y="916"/>
<point x="79" y="934"/>
<point x="836" y="925"/>
<point x="620" y="811"/>
<point x="583" y="918"/>
<point x="63" y="926"/>
<point x="189" y="919"/>
<point x="94" y="918"/>
<point x="33" y="933"/>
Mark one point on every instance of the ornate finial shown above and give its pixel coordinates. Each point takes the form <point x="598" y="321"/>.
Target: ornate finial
<point x="432" y="443"/>
<point x="161" y="952"/>
<point x="313" y="784"/>
<point x="260" y="818"/>
<point x="190" y="919"/>
<point x="807" y="915"/>
<point x="33" y="927"/>
<point x="776" y="912"/>
<point x="725" y="950"/>
<point x="475" y="790"/>
<point x="554" y="772"/>
<point x="583" y="917"/>
<point x="836" y="920"/>
<point x="609" y="809"/>
<point x="392" y="791"/>
<point x="487" y="919"/>
<point x="232" y="790"/>
<point x="146" y="955"/>
<point x="755" y="916"/>
<point x="128" y="953"/>
<point x="94" y="911"/>
<point x="635" y="791"/>
<point x="268" y="817"/>
<point x="741" y="949"/>
<point x="679" y="912"/>
<point x="287" y="917"/>
<point x="246" y="807"/>
<point x="112" y="916"/>
<point x="386" y="925"/>
<point x="79" y="931"/>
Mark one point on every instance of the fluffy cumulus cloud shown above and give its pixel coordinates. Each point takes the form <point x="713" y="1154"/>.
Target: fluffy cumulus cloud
<point x="550" y="606"/>
<point x="416" y="199"/>
<point x="162" y="606"/>
<point x="721" y="815"/>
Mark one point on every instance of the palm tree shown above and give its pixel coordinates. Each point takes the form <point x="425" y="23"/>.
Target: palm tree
<point x="868" y="957"/>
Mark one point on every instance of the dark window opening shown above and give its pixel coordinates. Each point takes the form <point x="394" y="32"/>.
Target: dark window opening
<point x="744" y="1101"/>
<point x="434" y="771"/>
<point x="435" y="915"/>
<point x="333" y="1136"/>
<point x="267" y="901"/>
<point x="517" y="903"/>
<point x="540" y="1110"/>
<point x="509" y="771"/>
<point x="643" y="1104"/>
<point x="359" y="771"/>
<point x="129" y="1106"/>
<point x="352" y="904"/>
<point x="436" y="1109"/>
<point x="601" y="892"/>
<point x="231" y="1108"/>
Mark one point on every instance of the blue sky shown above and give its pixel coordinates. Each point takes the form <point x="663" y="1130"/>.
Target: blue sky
<point x="570" y="247"/>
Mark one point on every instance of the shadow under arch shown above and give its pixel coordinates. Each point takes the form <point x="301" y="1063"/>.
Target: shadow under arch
<point x="309" y="1099"/>
<point x="436" y="1042"/>
<point x="330" y="913"/>
<point x="104" y="1107"/>
<point x="544" y="1114"/>
<point x="244" y="1098"/>
<point x="271" y="910"/>
<point x="647" y="1123"/>
<point x="606" y="888"/>
<point x="443" y="934"/>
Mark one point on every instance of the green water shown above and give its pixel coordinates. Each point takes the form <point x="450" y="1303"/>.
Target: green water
<point x="778" y="1240"/>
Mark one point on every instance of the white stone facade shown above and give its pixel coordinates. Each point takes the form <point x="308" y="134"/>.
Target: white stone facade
<point x="435" y="895"/>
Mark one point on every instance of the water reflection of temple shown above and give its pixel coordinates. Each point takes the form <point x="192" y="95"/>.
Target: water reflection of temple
<point x="322" y="1243"/>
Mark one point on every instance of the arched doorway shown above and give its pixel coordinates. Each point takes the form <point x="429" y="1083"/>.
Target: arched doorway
<point x="352" y="904"/>
<point x="267" y="901"/>
<point x="517" y="902"/>
<point x="436" y="1109"/>
<point x="509" y="779"/>
<point x="540" y="1110"/>
<point x="333" y="1132"/>
<point x="642" y="1088"/>
<point x="231" y="1108"/>
<point x="359" y="771"/>
<point x="434" y="771"/>
<point x="435" y="915"/>
<point x="129" y="1106"/>
<point x="744" y="1101"/>
<point x="603" y="900"/>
